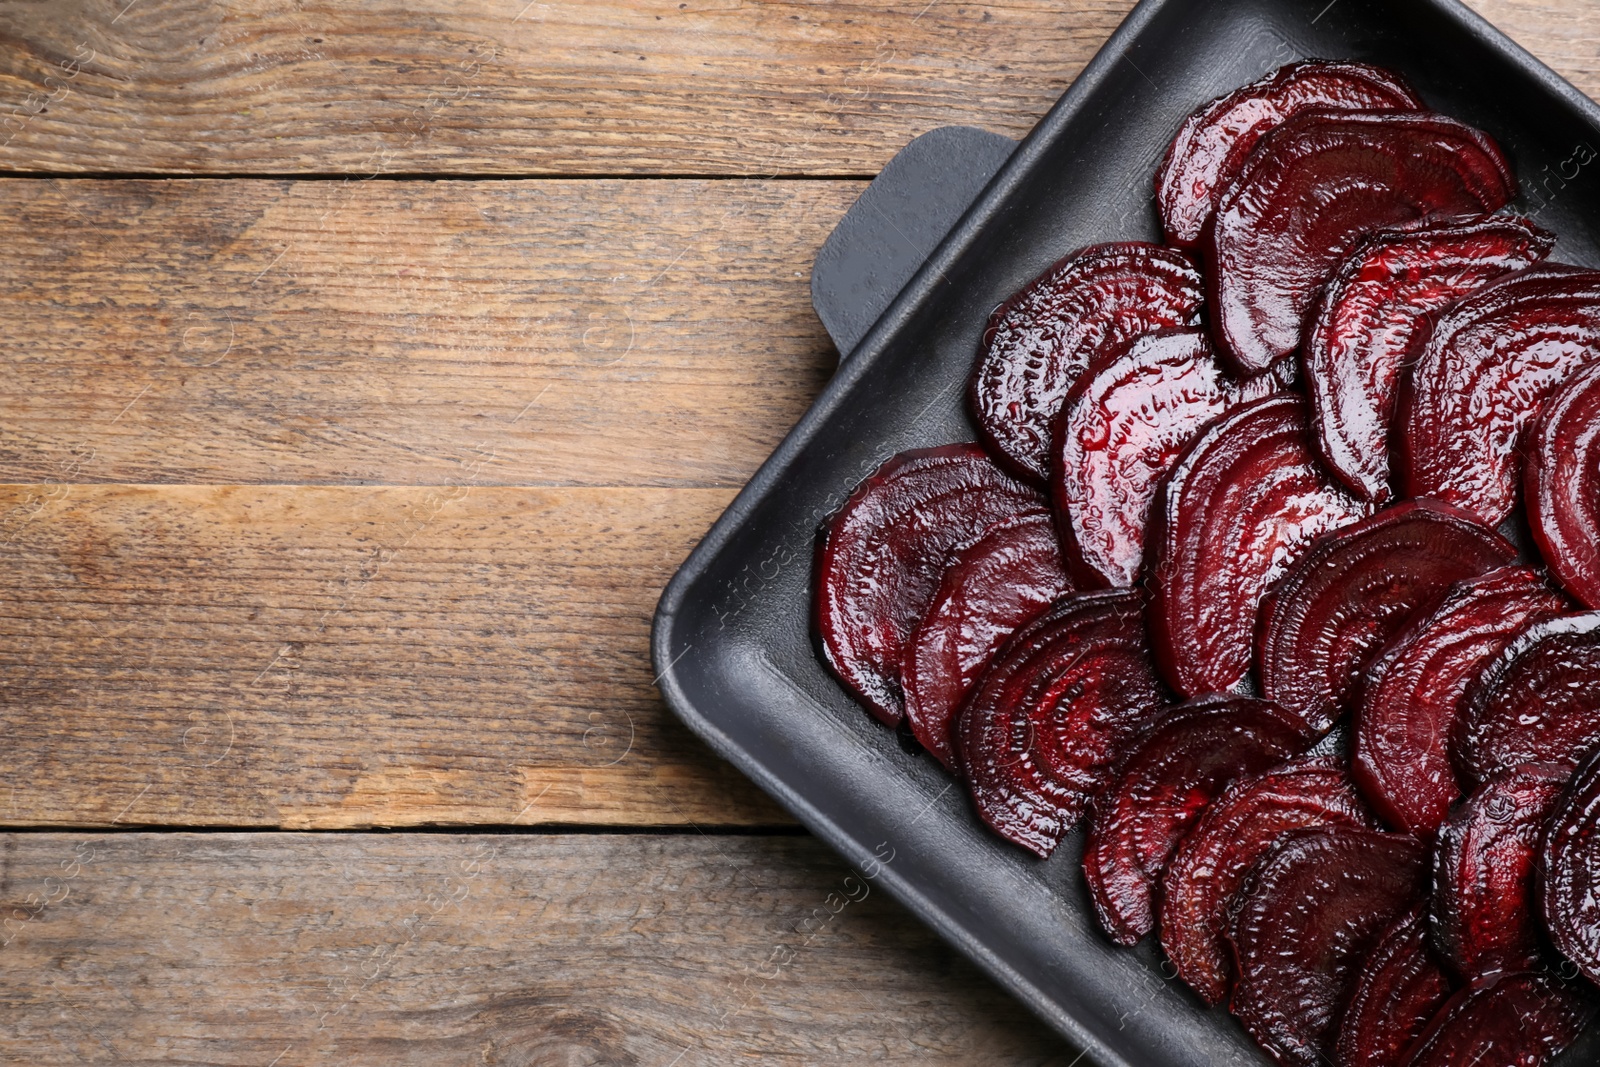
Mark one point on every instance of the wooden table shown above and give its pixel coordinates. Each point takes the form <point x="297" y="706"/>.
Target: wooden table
<point x="343" y="473"/>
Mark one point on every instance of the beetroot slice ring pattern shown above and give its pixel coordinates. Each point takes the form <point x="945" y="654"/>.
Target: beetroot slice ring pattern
<point x="1241" y="506"/>
<point x="1214" y="861"/>
<point x="1063" y="699"/>
<point x="1121" y="428"/>
<point x="1213" y="143"/>
<point x="883" y="553"/>
<point x="1162" y="788"/>
<point x="1354" y="589"/>
<point x="1267" y="258"/>
<point x="1484" y="905"/>
<point x="1370" y="315"/>
<point x="992" y="586"/>
<point x="1297" y="964"/>
<point x="1479" y="381"/>
<point x="1042" y="339"/>
<point x="1563" y="485"/>
<point x="1414" y="689"/>
<point x="1534" y="703"/>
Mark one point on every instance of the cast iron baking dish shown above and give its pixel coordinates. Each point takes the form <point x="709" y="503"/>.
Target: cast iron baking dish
<point x="732" y="636"/>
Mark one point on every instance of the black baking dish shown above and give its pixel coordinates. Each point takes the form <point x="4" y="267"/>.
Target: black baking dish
<point x="732" y="636"/>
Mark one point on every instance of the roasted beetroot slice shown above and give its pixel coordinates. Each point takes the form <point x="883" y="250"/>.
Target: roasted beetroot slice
<point x="1313" y="188"/>
<point x="1353" y="590"/>
<point x="1569" y="870"/>
<point x="883" y="554"/>
<point x="1484" y="904"/>
<point x="1213" y="143"/>
<point x="1562" y="485"/>
<point x="1508" y="1020"/>
<point x="1121" y="428"/>
<point x="1313" y="909"/>
<point x="1415" y="686"/>
<point x="1163" y="788"/>
<point x="992" y="586"/>
<point x="1536" y="702"/>
<point x="1400" y="988"/>
<point x="1063" y="699"/>
<point x="1370" y="315"/>
<point x="1487" y="368"/>
<point x="1040" y="340"/>
<point x="1211" y="864"/>
<point x="1235" y="512"/>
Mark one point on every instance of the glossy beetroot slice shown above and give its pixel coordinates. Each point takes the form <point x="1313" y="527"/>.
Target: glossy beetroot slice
<point x="1235" y="512"/>
<point x="1063" y="699"/>
<point x="1569" y="870"/>
<point x="1536" y="702"/>
<point x="1353" y="590"/>
<point x="1212" y="863"/>
<point x="1123" y="426"/>
<point x="1509" y="1020"/>
<point x="1414" y="688"/>
<point x="1488" y="366"/>
<point x="1371" y="314"/>
<point x="1040" y="340"/>
<point x="883" y="553"/>
<point x="992" y="586"/>
<point x="1213" y="143"/>
<point x="1484" y="904"/>
<point x="1311" y="912"/>
<point x="1163" y="788"/>
<point x="1399" y="990"/>
<point x="1311" y="190"/>
<point x="1562" y="485"/>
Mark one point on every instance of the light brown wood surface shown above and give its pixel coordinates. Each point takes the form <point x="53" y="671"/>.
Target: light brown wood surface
<point x="300" y="656"/>
<point x="578" y="87"/>
<point x="390" y="951"/>
<point x="610" y="333"/>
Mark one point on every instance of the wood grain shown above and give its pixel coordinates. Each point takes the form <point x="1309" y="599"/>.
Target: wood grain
<point x="576" y="332"/>
<point x="512" y="87"/>
<point x="1561" y="33"/>
<point x="294" y="656"/>
<point x="299" y="950"/>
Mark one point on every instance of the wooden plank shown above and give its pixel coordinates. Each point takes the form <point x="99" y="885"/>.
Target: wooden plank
<point x="293" y="656"/>
<point x="1560" y="32"/>
<point x="575" y="332"/>
<point x="512" y="87"/>
<point x="298" y="949"/>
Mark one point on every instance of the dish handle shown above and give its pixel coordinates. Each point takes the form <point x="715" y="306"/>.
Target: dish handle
<point x="896" y="223"/>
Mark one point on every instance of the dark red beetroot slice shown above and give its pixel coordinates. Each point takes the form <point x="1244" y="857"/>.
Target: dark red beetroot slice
<point x="1040" y="340"/>
<point x="1311" y="190"/>
<point x="1122" y="427"/>
<point x="1488" y="366"/>
<point x="1214" y="142"/>
<point x="1163" y="788"/>
<point x="1415" y="686"/>
<point x="992" y="586"/>
<point x="1212" y="863"/>
<point x="1371" y="313"/>
<point x="1569" y="870"/>
<point x="1312" y="911"/>
<point x="883" y="554"/>
<point x="1536" y="702"/>
<point x="1511" y="1020"/>
<point x="1483" y="895"/>
<point x="1401" y="987"/>
<point x="1563" y="485"/>
<point x="1353" y="590"/>
<point x="1236" y="511"/>
<point x="1060" y="703"/>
